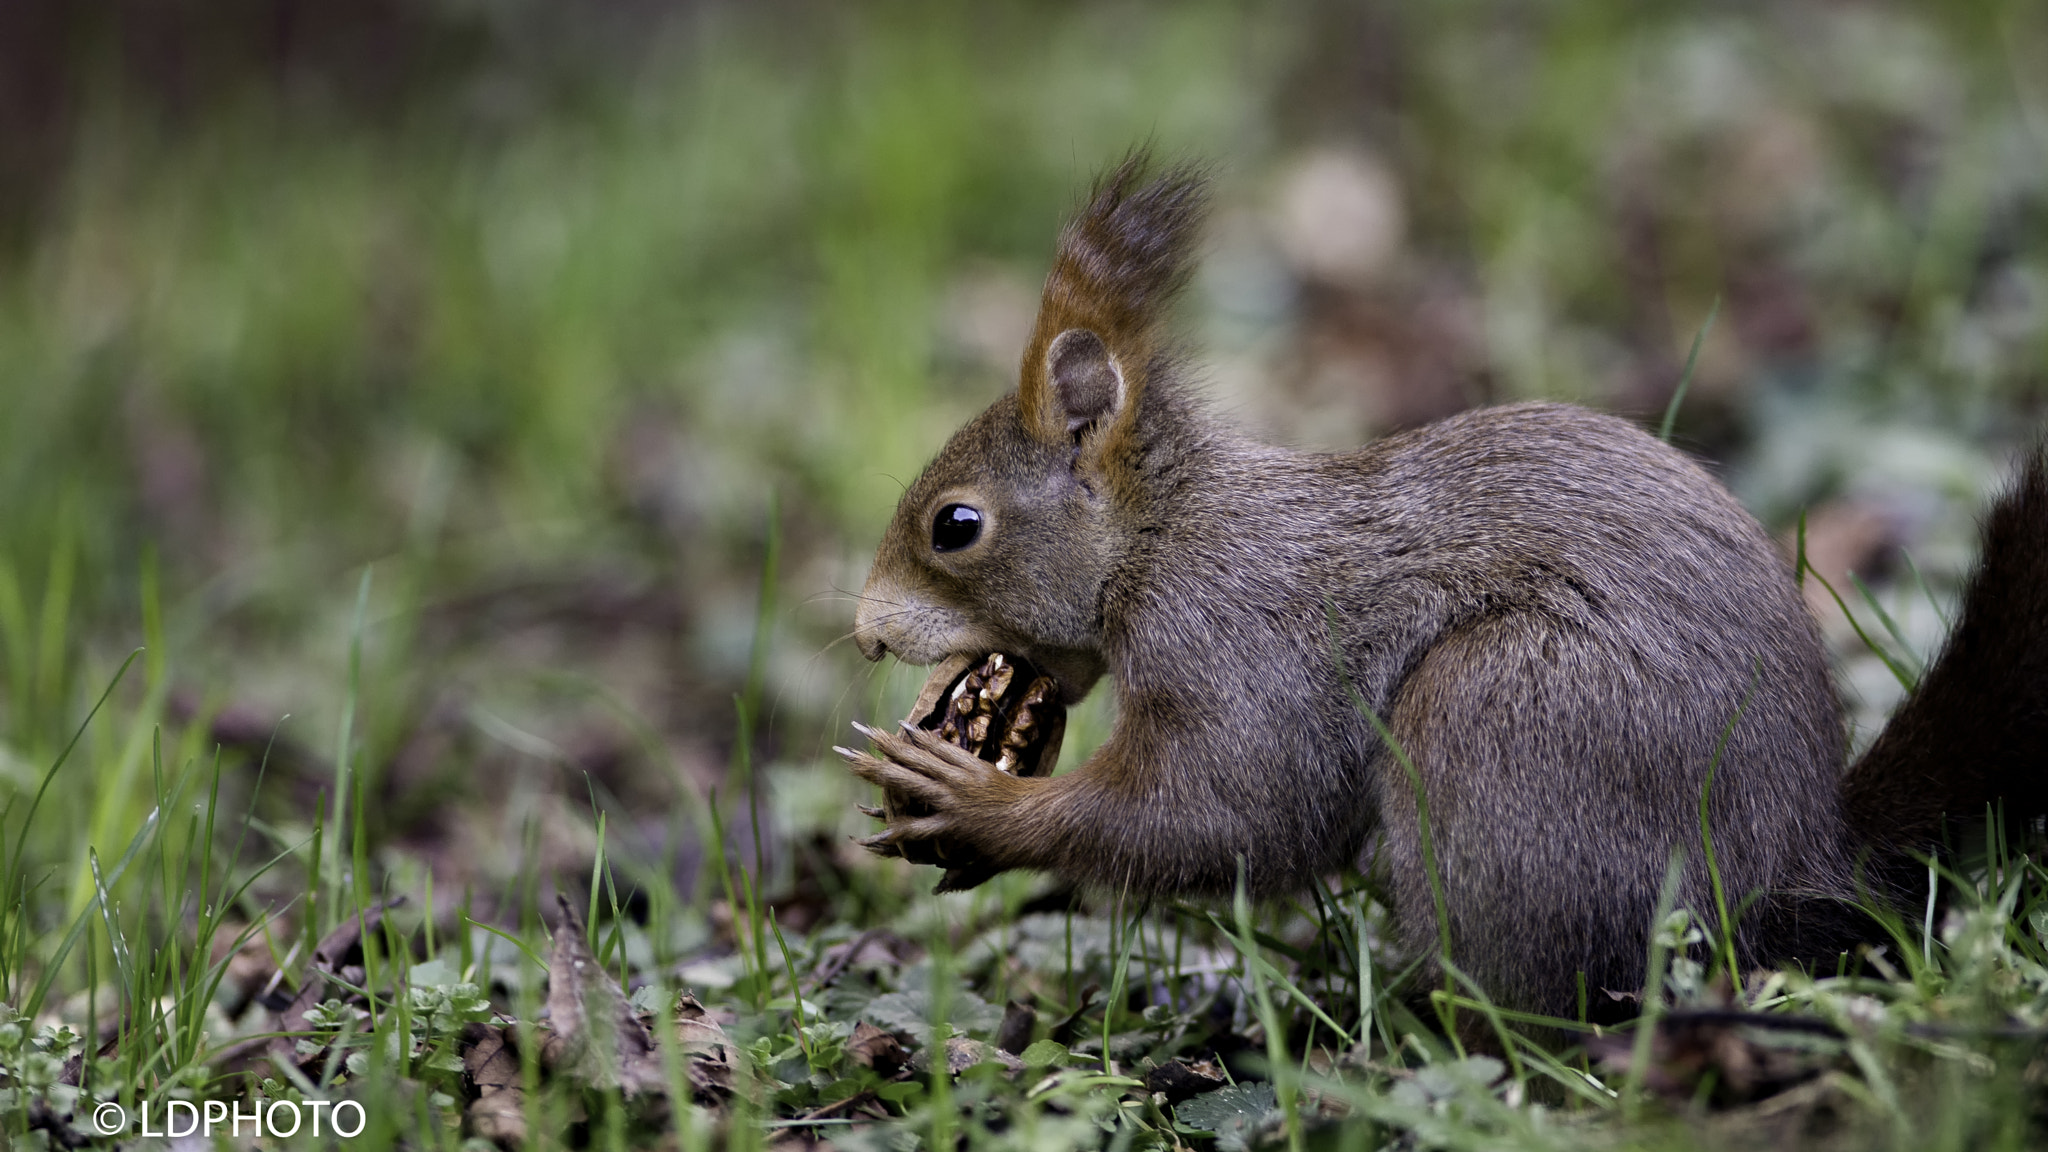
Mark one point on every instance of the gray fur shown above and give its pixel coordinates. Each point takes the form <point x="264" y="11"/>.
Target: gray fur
<point x="1557" y="616"/>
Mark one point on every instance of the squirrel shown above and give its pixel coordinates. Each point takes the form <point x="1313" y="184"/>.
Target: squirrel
<point x="1567" y="627"/>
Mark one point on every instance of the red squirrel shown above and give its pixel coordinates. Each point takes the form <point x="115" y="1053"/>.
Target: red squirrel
<point x="1562" y="622"/>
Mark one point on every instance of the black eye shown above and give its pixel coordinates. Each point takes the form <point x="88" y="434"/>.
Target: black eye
<point x="955" y="527"/>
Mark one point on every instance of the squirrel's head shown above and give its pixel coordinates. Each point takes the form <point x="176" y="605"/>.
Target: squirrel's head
<point x="1006" y="541"/>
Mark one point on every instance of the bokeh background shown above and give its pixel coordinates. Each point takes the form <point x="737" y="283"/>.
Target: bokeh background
<point x="496" y="401"/>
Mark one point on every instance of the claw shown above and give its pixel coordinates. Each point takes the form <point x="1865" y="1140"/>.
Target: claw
<point x="882" y="843"/>
<point x="872" y="810"/>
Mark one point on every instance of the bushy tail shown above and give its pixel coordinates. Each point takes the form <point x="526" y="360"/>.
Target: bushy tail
<point x="1975" y="730"/>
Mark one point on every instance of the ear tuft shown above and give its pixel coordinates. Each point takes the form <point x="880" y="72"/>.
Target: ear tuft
<point x="1085" y="377"/>
<point x="1097" y="341"/>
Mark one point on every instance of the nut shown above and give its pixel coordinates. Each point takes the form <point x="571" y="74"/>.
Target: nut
<point x="1002" y="710"/>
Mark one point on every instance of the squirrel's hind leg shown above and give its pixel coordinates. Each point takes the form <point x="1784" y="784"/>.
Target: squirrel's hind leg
<point x="1552" y="806"/>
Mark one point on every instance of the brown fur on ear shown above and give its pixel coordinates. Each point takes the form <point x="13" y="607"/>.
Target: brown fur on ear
<point x="1120" y="261"/>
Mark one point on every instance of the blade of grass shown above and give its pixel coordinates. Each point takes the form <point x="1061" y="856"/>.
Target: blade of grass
<point x="1269" y="973"/>
<point x="50" y="641"/>
<point x="1653" y="985"/>
<point x="796" y="990"/>
<point x="1948" y="623"/>
<point x="1692" y="359"/>
<point x="1119" y="977"/>
<point x="344" y="758"/>
<point x="1478" y="999"/>
<point x="1427" y="839"/>
<point x="1707" y="829"/>
<point x="1286" y="1088"/>
<point x="28" y="821"/>
<point x="55" y="964"/>
<point x="1890" y="626"/>
<point x="509" y="938"/>
<point x="1906" y="679"/>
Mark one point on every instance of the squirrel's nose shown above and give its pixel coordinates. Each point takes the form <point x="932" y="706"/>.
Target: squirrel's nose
<point x="865" y="633"/>
<point x="868" y="617"/>
<point x="871" y="647"/>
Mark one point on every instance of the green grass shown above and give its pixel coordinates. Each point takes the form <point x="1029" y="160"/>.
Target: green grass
<point x="1932" y="1051"/>
<point x="474" y="486"/>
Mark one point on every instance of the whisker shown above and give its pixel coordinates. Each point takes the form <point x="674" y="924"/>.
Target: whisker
<point x="887" y="616"/>
<point x="836" y="592"/>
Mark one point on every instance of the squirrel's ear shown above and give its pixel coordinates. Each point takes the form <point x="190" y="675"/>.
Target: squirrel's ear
<point x="1087" y="383"/>
<point x="1119" y="261"/>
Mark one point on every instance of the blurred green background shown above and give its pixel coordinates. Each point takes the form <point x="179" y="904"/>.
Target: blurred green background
<point x="566" y="323"/>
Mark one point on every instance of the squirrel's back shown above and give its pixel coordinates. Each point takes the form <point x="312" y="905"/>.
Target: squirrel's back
<point x="1566" y="624"/>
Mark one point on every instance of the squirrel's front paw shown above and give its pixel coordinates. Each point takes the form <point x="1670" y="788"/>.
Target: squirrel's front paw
<point x="952" y="793"/>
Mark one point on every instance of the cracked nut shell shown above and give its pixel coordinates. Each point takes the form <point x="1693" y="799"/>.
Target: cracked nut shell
<point x="1002" y="710"/>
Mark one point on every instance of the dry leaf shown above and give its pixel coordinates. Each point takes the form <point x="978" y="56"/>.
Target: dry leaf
<point x="871" y="1047"/>
<point x="709" y="1058"/>
<point x="599" y="1040"/>
<point x="499" y="1111"/>
<point x="1180" y="1080"/>
<point x="963" y="1052"/>
<point x="328" y="959"/>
